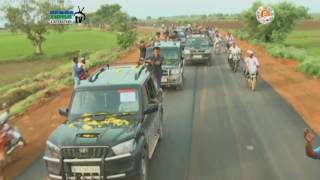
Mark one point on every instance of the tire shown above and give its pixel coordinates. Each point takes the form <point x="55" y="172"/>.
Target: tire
<point x="209" y="62"/>
<point x="235" y="69"/>
<point x="181" y="85"/>
<point x="144" y="166"/>
<point x="253" y="84"/>
<point x="161" y="130"/>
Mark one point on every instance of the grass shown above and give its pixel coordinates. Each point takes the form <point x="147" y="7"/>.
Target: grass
<point x="308" y="40"/>
<point x="301" y="45"/>
<point x="16" y="47"/>
<point x="44" y="84"/>
<point x="24" y="93"/>
<point x="18" y="62"/>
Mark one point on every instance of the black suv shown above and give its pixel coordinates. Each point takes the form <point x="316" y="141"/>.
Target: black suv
<point x="198" y="49"/>
<point x="114" y="122"/>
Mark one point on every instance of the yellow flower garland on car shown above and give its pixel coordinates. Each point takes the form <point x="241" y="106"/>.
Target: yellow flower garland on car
<point x="90" y="123"/>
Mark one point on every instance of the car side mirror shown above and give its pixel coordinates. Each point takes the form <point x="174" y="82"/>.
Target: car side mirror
<point x="151" y="108"/>
<point x="63" y="111"/>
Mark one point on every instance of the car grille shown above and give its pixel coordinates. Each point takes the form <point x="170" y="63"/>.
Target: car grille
<point x="197" y="51"/>
<point x="85" y="152"/>
<point x="165" y="72"/>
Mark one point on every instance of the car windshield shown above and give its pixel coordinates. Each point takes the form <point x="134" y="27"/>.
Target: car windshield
<point x="170" y="55"/>
<point x="124" y="100"/>
<point x="197" y="42"/>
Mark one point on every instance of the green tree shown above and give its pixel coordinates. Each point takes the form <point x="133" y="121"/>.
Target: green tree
<point x="120" y="22"/>
<point x="32" y="18"/>
<point x="286" y="16"/>
<point x="127" y="38"/>
<point x="107" y="12"/>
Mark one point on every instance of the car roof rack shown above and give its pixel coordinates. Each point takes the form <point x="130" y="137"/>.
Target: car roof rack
<point x="143" y="67"/>
<point x="94" y="77"/>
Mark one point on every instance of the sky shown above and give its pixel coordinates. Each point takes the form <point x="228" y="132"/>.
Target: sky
<point x="156" y="8"/>
<point x="160" y="8"/>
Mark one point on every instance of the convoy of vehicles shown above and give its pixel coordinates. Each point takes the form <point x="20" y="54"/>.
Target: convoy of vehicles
<point x="114" y="122"/>
<point x="173" y="67"/>
<point x="115" y="119"/>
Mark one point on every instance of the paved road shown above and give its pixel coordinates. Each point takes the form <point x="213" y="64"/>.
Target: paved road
<point x="216" y="129"/>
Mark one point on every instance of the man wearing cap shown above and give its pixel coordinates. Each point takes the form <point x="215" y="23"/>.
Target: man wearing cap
<point x="156" y="61"/>
<point x="252" y="63"/>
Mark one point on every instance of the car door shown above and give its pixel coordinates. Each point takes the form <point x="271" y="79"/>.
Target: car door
<point x="152" y="119"/>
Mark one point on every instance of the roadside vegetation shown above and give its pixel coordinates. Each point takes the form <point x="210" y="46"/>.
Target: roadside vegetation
<point x="17" y="48"/>
<point x="280" y="39"/>
<point x="45" y="51"/>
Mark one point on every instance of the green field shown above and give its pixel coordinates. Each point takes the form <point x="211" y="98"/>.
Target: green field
<point x="308" y="40"/>
<point x="17" y="46"/>
<point x="17" y="51"/>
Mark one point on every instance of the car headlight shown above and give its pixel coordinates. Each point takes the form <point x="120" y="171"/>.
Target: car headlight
<point x="175" y="71"/>
<point x="208" y="51"/>
<point x="187" y="51"/>
<point x="125" y="147"/>
<point x="53" y="150"/>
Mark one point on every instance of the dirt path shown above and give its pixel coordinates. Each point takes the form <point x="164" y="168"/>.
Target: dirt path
<point x="301" y="91"/>
<point x="39" y="121"/>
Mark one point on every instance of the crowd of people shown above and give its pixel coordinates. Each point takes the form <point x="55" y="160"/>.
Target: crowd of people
<point x="251" y="62"/>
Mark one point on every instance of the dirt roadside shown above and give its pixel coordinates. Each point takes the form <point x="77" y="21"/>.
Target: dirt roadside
<point x="301" y="91"/>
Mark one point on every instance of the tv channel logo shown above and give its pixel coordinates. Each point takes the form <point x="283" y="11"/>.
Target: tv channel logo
<point x="66" y="16"/>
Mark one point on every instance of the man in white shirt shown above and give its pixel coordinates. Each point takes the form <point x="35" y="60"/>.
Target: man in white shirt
<point x="234" y="50"/>
<point x="252" y="63"/>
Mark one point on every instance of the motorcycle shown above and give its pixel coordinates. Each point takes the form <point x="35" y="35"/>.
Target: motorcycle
<point x="252" y="81"/>
<point x="235" y="62"/>
<point x="10" y="138"/>
<point x="219" y="47"/>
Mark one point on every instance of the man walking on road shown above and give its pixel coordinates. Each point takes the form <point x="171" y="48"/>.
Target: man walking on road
<point x="252" y="64"/>
<point x="156" y="61"/>
<point x="311" y="152"/>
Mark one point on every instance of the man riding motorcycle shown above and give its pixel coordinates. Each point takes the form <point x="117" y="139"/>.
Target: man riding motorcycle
<point x="229" y="39"/>
<point x="10" y="137"/>
<point x="234" y="56"/>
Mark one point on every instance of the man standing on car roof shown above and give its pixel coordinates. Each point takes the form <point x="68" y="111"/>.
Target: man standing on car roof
<point x="156" y="61"/>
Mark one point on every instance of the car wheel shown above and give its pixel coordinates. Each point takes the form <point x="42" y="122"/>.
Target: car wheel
<point x="209" y="62"/>
<point x="161" y="130"/>
<point x="144" y="166"/>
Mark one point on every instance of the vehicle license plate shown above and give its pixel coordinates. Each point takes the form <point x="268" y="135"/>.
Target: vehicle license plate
<point x="164" y="79"/>
<point x="85" y="169"/>
<point x="197" y="56"/>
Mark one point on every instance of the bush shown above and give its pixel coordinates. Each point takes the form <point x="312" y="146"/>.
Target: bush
<point x="286" y="17"/>
<point x="243" y="35"/>
<point x="311" y="66"/>
<point x="282" y="51"/>
<point x="127" y="39"/>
